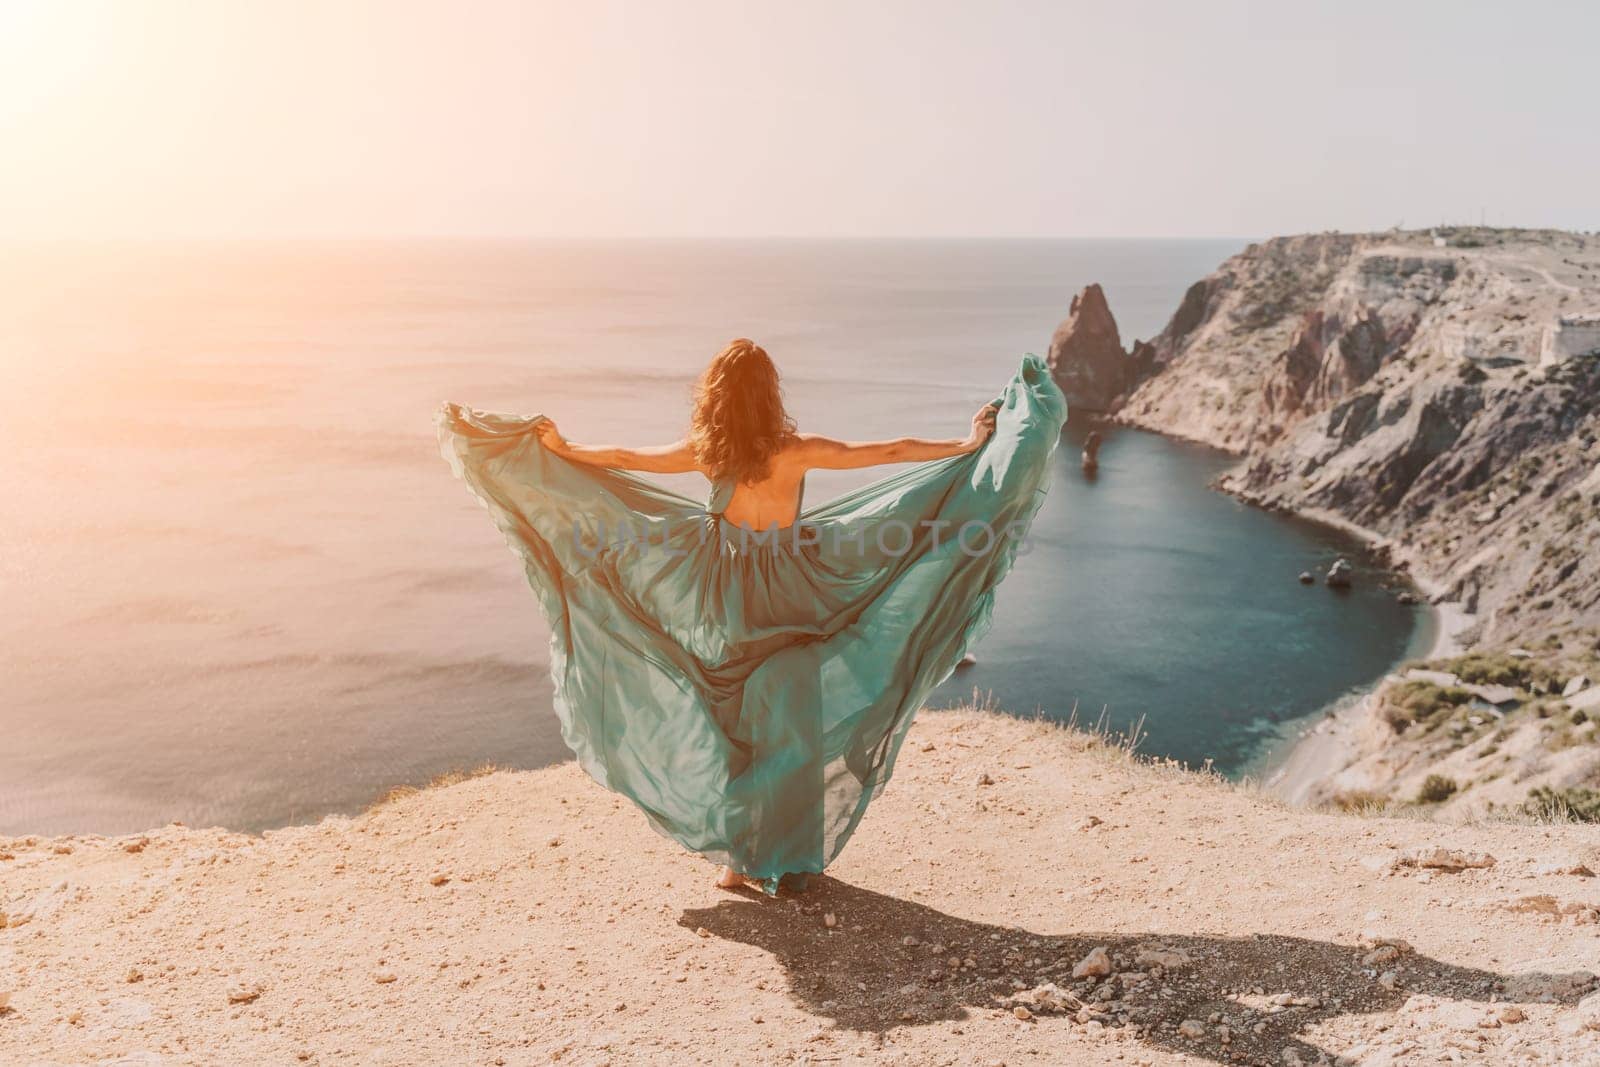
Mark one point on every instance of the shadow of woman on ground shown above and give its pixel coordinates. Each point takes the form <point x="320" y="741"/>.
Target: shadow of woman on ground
<point x="891" y="962"/>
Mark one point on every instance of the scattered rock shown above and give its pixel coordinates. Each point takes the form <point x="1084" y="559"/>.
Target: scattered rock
<point x="1549" y="988"/>
<point x="439" y="879"/>
<point x="1046" y="998"/>
<point x="1193" y="1029"/>
<point x="384" y="977"/>
<point x="1544" y="904"/>
<point x="138" y="844"/>
<point x="1438" y="858"/>
<point x="969" y="660"/>
<point x="1401" y="946"/>
<point x="1575" y="685"/>
<point x="245" y="992"/>
<point x="1096" y="964"/>
<point x="1389" y="980"/>
<point x="1021" y="1011"/>
<point x="1512" y="1014"/>
<point x="1572" y="867"/>
<point x="1168" y="959"/>
<point x="1338" y="576"/>
<point x="133" y="975"/>
<point x="1307" y="578"/>
<point x="701" y="931"/>
<point x="984" y="779"/>
<point x="830" y="920"/>
<point x="1381" y="954"/>
<point x="1588" y="1012"/>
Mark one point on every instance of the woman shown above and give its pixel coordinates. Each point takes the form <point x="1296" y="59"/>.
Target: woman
<point x="743" y="671"/>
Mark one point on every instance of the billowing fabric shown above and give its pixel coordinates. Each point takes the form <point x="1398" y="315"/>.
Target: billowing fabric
<point x="749" y="691"/>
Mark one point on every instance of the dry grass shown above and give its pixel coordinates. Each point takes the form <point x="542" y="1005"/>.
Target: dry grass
<point x="454" y="776"/>
<point x="1359" y="802"/>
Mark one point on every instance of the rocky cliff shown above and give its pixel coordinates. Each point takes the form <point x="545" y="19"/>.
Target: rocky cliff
<point x="1441" y="393"/>
<point x="1087" y="357"/>
<point x="1405" y="383"/>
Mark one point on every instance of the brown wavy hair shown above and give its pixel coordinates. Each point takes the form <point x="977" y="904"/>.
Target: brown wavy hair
<point x="739" y="422"/>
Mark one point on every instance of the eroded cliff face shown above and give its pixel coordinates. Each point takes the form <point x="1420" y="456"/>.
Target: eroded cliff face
<point x="1396" y="384"/>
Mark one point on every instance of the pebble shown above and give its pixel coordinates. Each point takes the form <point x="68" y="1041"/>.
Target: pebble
<point x="830" y="920"/>
<point x="384" y="977"/>
<point x="1193" y="1029"/>
<point x="1443" y="859"/>
<point x="1572" y="867"/>
<point x="5" y="1000"/>
<point x="1022" y="1013"/>
<point x="1389" y="980"/>
<point x="1097" y="963"/>
<point x="1512" y="1014"/>
<point x="133" y="975"/>
<point x="439" y="879"/>
<point x="1168" y="959"/>
<point x="245" y="992"/>
<point x="701" y="931"/>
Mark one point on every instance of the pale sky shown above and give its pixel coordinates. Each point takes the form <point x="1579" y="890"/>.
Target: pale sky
<point x="746" y="118"/>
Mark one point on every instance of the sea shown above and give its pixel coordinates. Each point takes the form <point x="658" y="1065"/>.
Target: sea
<point x="239" y="587"/>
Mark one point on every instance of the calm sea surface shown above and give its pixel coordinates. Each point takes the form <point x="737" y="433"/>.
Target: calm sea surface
<point x="241" y="588"/>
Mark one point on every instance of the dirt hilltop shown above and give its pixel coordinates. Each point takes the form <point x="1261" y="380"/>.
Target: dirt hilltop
<point x="531" y="917"/>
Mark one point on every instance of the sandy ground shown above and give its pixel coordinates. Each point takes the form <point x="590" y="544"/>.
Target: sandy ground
<point x="533" y="918"/>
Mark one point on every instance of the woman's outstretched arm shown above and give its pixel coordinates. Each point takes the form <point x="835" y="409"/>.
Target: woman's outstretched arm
<point x="657" y="459"/>
<point x="827" y="453"/>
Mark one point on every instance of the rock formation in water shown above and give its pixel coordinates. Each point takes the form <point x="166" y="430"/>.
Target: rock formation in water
<point x="1086" y="354"/>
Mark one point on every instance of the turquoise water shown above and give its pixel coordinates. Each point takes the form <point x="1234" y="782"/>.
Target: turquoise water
<point x="244" y="590"/>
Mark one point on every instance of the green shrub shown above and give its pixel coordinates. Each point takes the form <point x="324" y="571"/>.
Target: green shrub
<point x="1418" y="701"/>
<point x="1491" y="668"/>
<point x="1576" y="803"/>
<point x="1436" y="789"/>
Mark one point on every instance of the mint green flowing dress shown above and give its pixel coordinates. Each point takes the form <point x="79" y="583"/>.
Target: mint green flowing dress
<point x="749" y="690"/>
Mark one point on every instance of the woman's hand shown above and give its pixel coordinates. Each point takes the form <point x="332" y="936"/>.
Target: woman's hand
<point x="551" y="437"/>
<point x="982" y="427"/>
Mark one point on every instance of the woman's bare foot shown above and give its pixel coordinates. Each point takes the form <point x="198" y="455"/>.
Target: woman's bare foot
<point x="728" y="878"/>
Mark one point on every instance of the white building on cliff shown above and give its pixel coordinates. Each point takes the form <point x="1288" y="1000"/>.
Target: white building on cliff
<point x="1572" y="336"/>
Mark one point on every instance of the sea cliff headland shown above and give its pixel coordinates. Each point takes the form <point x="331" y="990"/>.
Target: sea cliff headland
<point x="1439" y="392"/>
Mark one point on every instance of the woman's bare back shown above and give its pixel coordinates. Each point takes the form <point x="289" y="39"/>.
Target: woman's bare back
<point x="773" y="502"/>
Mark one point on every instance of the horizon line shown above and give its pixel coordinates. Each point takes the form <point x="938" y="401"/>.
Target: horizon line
<point x="476" y="238"/>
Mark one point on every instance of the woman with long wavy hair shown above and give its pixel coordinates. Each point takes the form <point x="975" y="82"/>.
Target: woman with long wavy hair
<point x="743" y="670"/>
